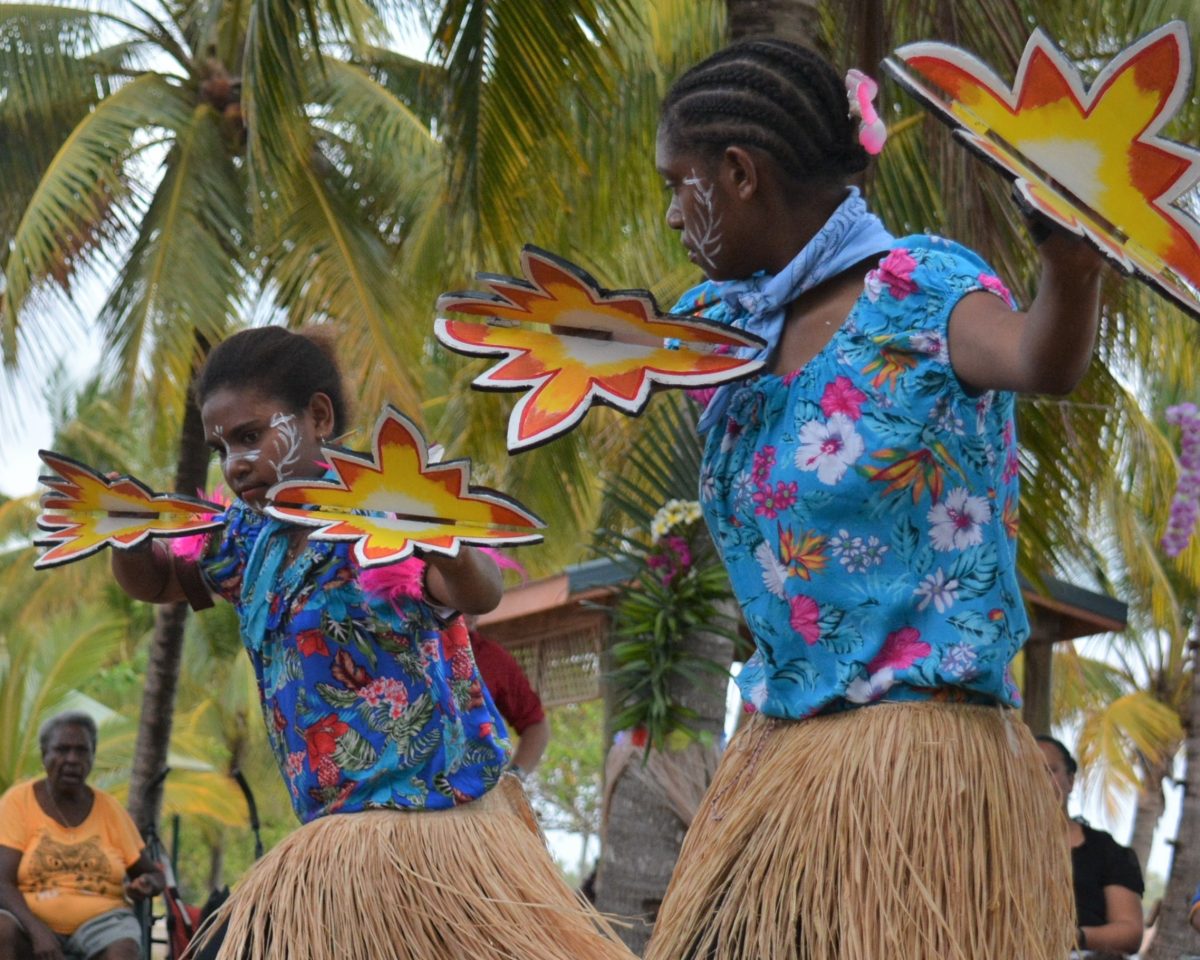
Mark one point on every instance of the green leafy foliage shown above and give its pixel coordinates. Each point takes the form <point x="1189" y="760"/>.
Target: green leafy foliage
<point x="677" y="586"/>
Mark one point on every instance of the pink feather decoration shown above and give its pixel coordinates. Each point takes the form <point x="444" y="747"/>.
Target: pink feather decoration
<point x="395" y="581"/>
<point x="191" y="548"/>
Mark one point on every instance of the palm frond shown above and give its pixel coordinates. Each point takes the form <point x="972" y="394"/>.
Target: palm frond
<point x="1111" y="740"/>
<point x="507" y="65"/>
<point x="37" y="670"/>
<point x="325" y="264"/>
<point x="77" y="202"/>
<point x="183" y="273"/>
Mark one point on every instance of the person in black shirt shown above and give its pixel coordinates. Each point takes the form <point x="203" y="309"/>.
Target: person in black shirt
<point x="1108" y="880"/>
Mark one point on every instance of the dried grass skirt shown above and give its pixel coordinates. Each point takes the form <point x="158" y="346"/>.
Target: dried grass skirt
<point x="473" y="882"/>
<point x="900" y="830"/>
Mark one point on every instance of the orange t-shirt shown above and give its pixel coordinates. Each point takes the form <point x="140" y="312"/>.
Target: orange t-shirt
<point x="69" y="875"/>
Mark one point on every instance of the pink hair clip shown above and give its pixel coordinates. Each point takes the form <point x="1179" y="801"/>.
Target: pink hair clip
<point x="860" y="91"/>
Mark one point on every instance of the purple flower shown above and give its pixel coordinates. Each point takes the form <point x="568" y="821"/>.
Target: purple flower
<point x="1185" y="505"/>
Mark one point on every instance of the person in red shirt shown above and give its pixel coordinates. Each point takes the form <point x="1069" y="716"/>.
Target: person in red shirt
<point x="515" y="698"/>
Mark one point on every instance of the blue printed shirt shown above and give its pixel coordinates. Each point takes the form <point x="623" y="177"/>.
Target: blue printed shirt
<point x="365" y="705"/>
<point x="866" y="505"/>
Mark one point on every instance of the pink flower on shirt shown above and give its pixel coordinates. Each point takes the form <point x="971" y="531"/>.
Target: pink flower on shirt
<point x="805" y="614"/>
<point x="764" y="460"/>
<point x="996" y="285"/>
<point x="894" y="272"/>
<point x="770" y="502"/>
<point x="842" y="396"/>
<point x="901" y="650"/>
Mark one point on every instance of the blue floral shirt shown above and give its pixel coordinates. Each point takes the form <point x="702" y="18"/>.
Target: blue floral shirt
<point x="866" y="505"/>
<point x="366" y="706"/>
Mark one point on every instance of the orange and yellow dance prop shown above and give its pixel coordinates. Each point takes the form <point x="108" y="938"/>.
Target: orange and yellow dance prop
<point x="86" y="511"/>
<point x="606" y="346"/>
<point x="393" y="500"/>
<point x="1087" y="157"/>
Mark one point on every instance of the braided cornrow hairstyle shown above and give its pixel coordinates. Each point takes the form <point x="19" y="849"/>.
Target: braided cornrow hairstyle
<point x="778" y="97"/>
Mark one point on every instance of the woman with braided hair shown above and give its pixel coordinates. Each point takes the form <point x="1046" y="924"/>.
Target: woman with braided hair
<point x="885" y="800"/>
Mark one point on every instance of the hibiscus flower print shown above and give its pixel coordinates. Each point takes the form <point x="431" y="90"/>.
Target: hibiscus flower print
<point x="321" y="738"/>
<point x="312" y="641"/>
<point x="872" y="688"/>
<point x="804" y="616"/>
<point x="894" y="272"/>
<point x="956" y="522"/>
<point x="842" y="396"/>
<point x="901" y="649"/>
<point x="939" y="591"/>
<point x="829" y="448"/>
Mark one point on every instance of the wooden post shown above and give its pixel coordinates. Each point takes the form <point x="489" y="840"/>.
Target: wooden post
<point x="1039" y="654"/>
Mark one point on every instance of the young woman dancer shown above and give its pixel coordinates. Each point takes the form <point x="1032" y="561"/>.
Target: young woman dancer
<point x="414" y="846"/>
<point x="885" y="800"/>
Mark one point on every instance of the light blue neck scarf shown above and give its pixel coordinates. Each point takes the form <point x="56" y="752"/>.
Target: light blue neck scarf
<point x="759" y="304"/>
<point x="263" y="566"/>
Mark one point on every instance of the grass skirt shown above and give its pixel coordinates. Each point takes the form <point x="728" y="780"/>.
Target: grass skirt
<point x="473" y="882"/>
<point x="907" y="830"/>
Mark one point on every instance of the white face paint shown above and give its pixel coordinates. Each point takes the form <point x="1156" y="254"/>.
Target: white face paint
<point x="287" y="442"/>
<point x="249" y="456"/>
<point x="702" y="221"/>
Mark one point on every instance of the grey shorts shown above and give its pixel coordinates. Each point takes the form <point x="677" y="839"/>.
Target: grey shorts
<point x="96" y="934"/>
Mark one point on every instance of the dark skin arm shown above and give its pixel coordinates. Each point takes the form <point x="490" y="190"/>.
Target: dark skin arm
<point x="144" y="879"/>
<point x="43" y="943"/>
<point x="531" y="745"/>
<point x="1047" y="348"/>
<point x="469" y="583"/>
<point x="147" y="574"/>
<point x="1123" y="930"/>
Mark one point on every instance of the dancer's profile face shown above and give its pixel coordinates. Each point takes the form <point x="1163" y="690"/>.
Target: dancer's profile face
<point x="260" y="441"/>
<point x="700" y="207"/>
<point x="1060" y="775"/>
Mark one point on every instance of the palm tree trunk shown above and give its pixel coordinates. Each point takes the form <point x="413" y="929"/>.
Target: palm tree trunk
<point x="216" y="861"/>
<point x="162" y="670"/>
<point x="643" y="830"/>
<point x="788" y="19"/>
<point x="1149" y="810"/>
<point x="1174" y="936"/>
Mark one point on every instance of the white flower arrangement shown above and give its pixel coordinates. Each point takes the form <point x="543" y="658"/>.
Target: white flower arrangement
<point x="673" y="515"/>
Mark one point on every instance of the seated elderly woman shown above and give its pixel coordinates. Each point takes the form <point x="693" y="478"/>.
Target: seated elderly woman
<point x="70" y="858"/>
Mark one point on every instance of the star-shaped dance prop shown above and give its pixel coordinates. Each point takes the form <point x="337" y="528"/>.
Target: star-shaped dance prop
<point x="393" y="500"/>
<point x="1088" y="157"/>
<point x="85" y="511"/>
<point x="609" y="346"/>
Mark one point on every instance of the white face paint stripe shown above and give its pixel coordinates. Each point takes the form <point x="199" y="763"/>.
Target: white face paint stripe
<point x="287" y="441"/>
<point x="705" y="241"/>
<point x="250" y="456"/>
